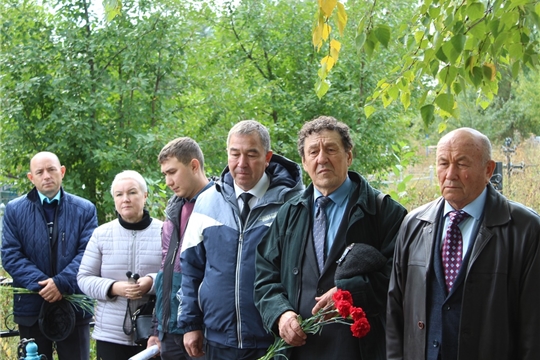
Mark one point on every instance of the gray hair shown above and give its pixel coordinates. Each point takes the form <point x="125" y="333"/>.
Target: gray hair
<point x="321" y="124"/>
<point x="247" y="127"/>
<point x="130" y="174"/>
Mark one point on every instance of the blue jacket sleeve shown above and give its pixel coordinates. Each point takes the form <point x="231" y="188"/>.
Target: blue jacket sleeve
<point x="14" y="260"/>
<point x="192" y="261"/>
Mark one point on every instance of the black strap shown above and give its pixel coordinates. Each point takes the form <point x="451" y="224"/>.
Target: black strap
<point x="129" y="322"/>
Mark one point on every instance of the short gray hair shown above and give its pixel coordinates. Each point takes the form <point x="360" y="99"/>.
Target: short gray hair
<point x="247" y="127"/>
<point x="130" y="174"/>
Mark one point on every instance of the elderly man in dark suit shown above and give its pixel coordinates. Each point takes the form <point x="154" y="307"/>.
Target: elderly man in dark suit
<point x="294" y="276"/>
<point x="466" y="270"/>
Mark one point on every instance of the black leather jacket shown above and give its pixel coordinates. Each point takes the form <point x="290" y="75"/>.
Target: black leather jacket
<point x="500" y="316"/>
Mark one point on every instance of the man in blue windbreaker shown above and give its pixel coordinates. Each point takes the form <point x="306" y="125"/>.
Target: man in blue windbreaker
<point x="218" y="252"/>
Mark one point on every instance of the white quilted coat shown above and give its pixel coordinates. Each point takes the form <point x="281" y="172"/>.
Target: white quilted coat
<point x="111" y="252"/>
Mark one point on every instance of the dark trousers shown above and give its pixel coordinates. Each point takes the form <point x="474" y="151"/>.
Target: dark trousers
<point x="75" y="347"/>
<point x="215" y="351"/>
<point x="172" y="348"/>
<point x="111" y="351"/>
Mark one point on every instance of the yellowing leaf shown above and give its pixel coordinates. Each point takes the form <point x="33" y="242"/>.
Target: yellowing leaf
<point x="386" y="100"/>
<point x="405" y="99"/>
<point x="322" y="72"/>
<point x="442" y="126"/>
<point x="321" y="87"/>
<point x="342" y="17"/>
<point x="493" y="70"/>
<point x="329" y="61"/>
<point x="317" y="31"/>
<point x="393" y="92"/>
<point x="368" y="110"/>
<point x="418" y="36"/>
<point x="334" y="44"/>
<point x="326" y="30"/>
<point x="112" y="8"/>
<point x="317" y="37"/>
<point x="484" y="104"/>
<point x="327" y="6"/>
<point x="335" y="47"/>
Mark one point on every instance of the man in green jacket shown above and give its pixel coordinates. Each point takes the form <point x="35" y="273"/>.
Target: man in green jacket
<point x="297" y="259"/>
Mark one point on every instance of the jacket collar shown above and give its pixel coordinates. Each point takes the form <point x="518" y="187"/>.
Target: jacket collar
<point x="33" y="195"/>
<point x="498" y="216"/>
<point x="360" y="193"/>
<point x="281" y="171"/>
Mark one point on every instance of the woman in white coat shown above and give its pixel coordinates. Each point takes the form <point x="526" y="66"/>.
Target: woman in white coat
<point x="128" y="245"/>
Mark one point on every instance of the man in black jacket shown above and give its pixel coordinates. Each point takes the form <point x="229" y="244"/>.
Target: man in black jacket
<point x="465" y="280"/>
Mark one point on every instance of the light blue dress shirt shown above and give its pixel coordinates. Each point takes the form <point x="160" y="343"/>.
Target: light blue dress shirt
<point x="469" y="226"/>
<point x="334" y="210"/>
<point x="43" y="198"/>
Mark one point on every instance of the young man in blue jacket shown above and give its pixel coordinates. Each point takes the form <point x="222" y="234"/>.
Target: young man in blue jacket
<point x="44" y="237"/>
<point x="218" y="252"/>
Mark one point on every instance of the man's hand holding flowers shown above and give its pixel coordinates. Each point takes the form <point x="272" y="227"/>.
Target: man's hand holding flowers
<point x="335" y="306"/>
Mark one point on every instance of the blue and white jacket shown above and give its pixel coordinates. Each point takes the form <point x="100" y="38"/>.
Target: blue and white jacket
<point x="218" y="259"/>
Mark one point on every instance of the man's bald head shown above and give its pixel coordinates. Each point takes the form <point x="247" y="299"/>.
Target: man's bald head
<point x="46" y="173"/>
<point x="464" y="166"/>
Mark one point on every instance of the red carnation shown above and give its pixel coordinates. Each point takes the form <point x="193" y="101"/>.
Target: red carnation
<point x="342" y="295"/>
<point x="357" y="313"/>
<point x="344" y="308"/>
<point x="342" y="312"/>
<point x="360" y="328"/>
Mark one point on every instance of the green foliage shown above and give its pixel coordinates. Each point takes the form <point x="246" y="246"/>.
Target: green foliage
<point x="514" y="111"/>
<point x="452" y="46"/>
<point x="106" y="96"/>
<point x="69" y="87"/>
<point x="403" y="156"/>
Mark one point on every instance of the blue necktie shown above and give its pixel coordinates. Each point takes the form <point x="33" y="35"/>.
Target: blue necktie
<point x="319" y="230"/>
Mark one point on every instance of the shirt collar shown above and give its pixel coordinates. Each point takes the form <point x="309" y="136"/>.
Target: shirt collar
<point x="474" y="208"/>
<point x="43" y="198"/>
<point x="258" y="190"/>
<point x="339" y="196"/>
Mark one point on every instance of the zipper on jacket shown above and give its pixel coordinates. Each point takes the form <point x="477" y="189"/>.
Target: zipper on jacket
<point x="133" y="236"/>
<point x="166" y="288"/>
<point x="175" y="253"/>
<point x="63" y="242"/>
<point x="237" y="290"/>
